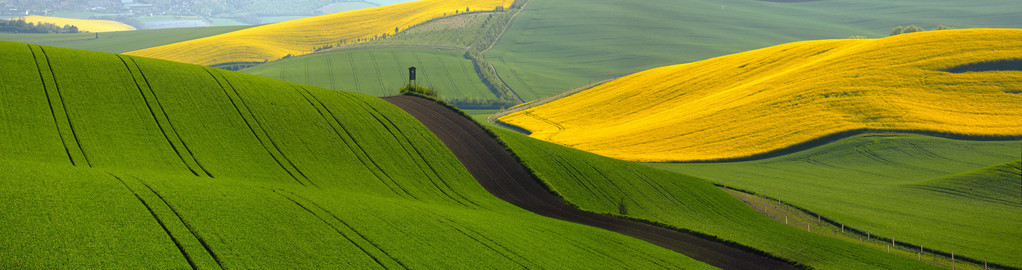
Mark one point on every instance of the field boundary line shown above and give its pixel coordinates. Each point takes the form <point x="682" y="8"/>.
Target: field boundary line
<point x="49" y="103"/>
<point x="251" y="128"/>
<point x="63" y="104"/>
<point x="349" y="140"/>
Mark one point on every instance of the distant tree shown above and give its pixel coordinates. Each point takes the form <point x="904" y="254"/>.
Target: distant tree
<point x="897" y="31"/>
<point x="466" y="9"/>
<point x="396" y="30"/>
<point x="622" y="208"/>
<point x="943" y="27"/>
<point x="912" y="29"/>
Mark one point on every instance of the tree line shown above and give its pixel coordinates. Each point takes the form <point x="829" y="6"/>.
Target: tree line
<point x="21" y="26"/>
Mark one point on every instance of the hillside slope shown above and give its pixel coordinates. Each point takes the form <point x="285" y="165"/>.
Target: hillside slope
<point x="555" y="46"/>
<point x="936" y="192"/>
<point x="113" y="161"/>
<point x="302" y="36"/>
<point x="121" y="41"/>
<point x="767" y="100"/>
<point x="381" y="72"/>
<point x="605" y="185"/>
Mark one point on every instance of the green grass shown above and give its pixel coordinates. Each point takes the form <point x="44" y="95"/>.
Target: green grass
<point x="119" y="42"/>
<point x="601" y="184"/>
<point x="123" y="162"/>
<point x="921" y="190"/>
<point x="381" y="72"/>
<point x="555" y="46"/>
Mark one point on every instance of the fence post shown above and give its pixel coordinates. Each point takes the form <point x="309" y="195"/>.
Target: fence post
<point x="785" y="219"/>
<point x="842" y="228"/>
<point x="953" y="266"/>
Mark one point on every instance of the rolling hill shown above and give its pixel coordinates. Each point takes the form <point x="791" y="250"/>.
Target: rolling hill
<point x="122" y="41"/>
<point x="303" y="36"/>
<point x="959" y="83"/>
<point x="943" y="194"/>
<point x="381" y="72"/>
<point x="555" y="46"/>
<point x="113" y="161"/>
<point x="82" y="24"/>
<point x="605" y="185"/>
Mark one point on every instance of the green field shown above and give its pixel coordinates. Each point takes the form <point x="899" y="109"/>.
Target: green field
<point x="921" y="190"/>
<point x="602" y="185"/>
<point x="381" y="72"/>
<point x="119" y="42"/>
<point x="123" y="162"/>
<point x="555" y="46"/>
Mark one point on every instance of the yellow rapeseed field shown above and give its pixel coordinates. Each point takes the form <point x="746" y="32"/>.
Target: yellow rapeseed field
<point x="82" y="24"/>
<point x="303" y="36"/>
<point x="765" y="100"/>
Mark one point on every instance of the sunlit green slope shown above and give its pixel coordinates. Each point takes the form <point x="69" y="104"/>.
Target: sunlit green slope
<point x="114" y="161"/>
<point x="936" y="192"/>
<point x="606" y="185"/>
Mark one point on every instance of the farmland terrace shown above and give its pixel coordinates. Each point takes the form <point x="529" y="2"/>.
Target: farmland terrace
<point x="114" y="161"/>
<point x="501" y="174"/>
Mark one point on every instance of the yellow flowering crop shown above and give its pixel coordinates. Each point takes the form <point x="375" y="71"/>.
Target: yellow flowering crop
<point x="765" y="100"/>
<point x="303" y="36"/>
<point x="82" y="24"/>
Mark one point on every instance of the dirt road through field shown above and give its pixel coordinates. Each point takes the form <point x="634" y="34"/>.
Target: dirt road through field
<point x="503" y="176"/>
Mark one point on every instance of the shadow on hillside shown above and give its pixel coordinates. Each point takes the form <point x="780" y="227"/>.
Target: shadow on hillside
<point x="995" y="65"/>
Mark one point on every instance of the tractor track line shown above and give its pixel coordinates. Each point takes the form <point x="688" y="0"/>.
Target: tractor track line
<point x="56" y="86"/>
<point x="352" y="229"/>
<point x="170" y="123"/>
<point x="158" y="220"/>
<point x="504" y="177"/>
<point x="49" y="102"/>
<point x="421" y="156"/>
<point x="348" y="141"/>
<point x="183" y="221"/>
<point x="153" y="114"/>
<point x="250" y="128"/>
<point x="338" y="230"/>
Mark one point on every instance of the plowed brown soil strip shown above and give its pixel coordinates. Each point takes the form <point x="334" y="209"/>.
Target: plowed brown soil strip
<point x="502" y="175"/>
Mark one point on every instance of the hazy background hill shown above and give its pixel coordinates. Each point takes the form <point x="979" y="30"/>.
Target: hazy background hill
<point x="555" y="46"/>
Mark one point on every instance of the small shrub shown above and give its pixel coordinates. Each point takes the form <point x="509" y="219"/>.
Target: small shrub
<point x="416" y="89"/>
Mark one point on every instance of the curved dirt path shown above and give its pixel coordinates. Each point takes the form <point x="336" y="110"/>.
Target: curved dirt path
<point x="501" y="174"/>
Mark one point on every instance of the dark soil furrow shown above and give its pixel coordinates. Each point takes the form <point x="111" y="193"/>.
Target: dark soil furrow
<point x="158" y="220"/>
<point x="504" y="177"/>
<point x="63" y="104"/>
<point x="249" y="124"/>
<point x="49" y="102"/>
